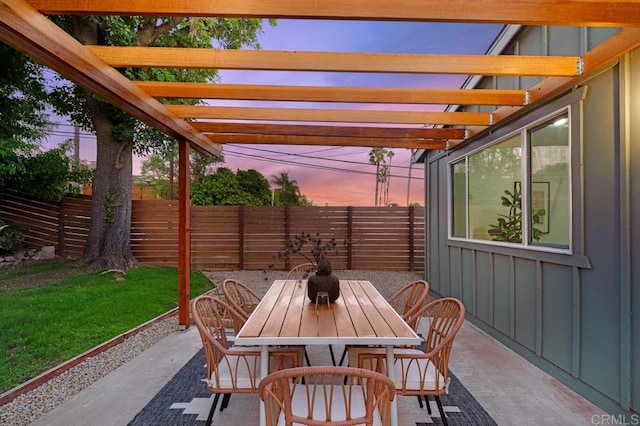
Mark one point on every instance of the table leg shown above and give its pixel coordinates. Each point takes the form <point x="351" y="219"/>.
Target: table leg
<point x="391" y="372"/>
<point x="264" y="371"/>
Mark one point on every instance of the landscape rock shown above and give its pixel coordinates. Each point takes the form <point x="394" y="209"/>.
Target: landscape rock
<point x="46" y="253"/>
<point x="20" y="255"/>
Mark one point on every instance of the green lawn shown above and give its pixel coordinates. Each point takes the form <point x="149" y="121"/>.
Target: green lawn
<point x="50" y="320"/>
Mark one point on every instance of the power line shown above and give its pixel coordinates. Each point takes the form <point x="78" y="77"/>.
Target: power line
<point x="274" y="160"/>
<point x="314" y="166"/>
<point x="315" y="158"/>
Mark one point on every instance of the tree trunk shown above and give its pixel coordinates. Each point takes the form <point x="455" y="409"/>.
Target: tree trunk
<point x="109" y="241"/>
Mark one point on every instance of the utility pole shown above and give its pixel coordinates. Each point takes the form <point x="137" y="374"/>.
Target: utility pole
<point x="388" y="180"/>
<point x="76" y="143"/>
<point x="409" y="178"/>
<point x="171" y="173"/>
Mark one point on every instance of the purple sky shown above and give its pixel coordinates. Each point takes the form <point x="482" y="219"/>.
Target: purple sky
<point x="335" y="175"/>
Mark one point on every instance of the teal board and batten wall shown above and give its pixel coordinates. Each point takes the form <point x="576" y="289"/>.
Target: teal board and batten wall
<point x="631" y="275"/>
<point x="571" y="314"/>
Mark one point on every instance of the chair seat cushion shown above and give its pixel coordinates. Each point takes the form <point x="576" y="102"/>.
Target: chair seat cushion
<point x="288" y="351"/>
<point x="418" y="374"/>
<point x="410" y="373"/>
<point x="299" y="405"/>
<point x="236" y="372"/>
<point x="243" y="372"/>
<point x="354" y="351"/>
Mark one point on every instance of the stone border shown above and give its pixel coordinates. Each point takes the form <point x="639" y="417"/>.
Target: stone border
<point x="24" y="255"/>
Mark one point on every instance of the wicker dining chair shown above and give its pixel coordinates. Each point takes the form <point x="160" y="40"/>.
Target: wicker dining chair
<point x="409" y="298"/>
<point x="406" y="301"/>
<point x="240" y="296"/>
<point x="245" y="300"/>
<point x="327" y="395"/>
<point x="230" y="369"/>
<point x="425" y="373"/>
<point x="301" y="271"/>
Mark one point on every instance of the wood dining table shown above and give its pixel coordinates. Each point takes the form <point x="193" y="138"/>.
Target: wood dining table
<point x="360" y="316"/>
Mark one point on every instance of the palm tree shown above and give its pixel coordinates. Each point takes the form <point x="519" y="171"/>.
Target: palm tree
<point x="289" y="189"/>
<point x="383" y="173"/>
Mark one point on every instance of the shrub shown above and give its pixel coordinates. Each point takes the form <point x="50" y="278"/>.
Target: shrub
<point x="11" y="236"/>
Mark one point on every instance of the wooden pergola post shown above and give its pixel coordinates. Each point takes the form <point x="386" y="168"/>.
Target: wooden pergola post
<point x="184" y="235"/>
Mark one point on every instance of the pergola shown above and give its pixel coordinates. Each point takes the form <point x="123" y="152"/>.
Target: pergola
<point x="24" y="25"/>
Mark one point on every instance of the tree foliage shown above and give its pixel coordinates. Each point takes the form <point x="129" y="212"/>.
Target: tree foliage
<point x="50" y="174"/>
<point x="288" y="191"/>
<point x="118" y="134"/>
<point x="23" y="119"/>
<point x="226" y="188"/>
<point x="378" y="157"/>
<point x="163" y="170"/>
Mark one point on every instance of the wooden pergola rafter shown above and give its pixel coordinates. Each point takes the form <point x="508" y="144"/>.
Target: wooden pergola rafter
<point x="257" y="92"/>
<point x="558" y="71"/>
<point x="24" y="26"/>
<point x="604" y="13"/>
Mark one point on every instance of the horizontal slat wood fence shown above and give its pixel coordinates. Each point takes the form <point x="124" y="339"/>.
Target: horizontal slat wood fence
<point x="234" y="237"/>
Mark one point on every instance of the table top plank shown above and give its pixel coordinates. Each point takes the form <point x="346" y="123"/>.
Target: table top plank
<point x="359" y="316"/>
<point x="327" y="326"/>
<point x="363" y="290"/>
<point x="309" y="319"/>
<point x="361" y="324"/>
<point x="255" y="324"/>
<point x="279" y="312"/>
<point x="395" y="322"/>
<point x="291" y="326"/>
<point x="344" y="323"/>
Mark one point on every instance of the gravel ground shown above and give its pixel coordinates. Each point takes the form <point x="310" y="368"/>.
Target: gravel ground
<point x="31" y="405"/>
<point x="386" y="282"/>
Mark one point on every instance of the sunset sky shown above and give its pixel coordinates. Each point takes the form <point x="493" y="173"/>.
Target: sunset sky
<point x="338" y="176"/>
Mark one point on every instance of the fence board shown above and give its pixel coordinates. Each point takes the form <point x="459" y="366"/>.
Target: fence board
<point x="233" y="237"/>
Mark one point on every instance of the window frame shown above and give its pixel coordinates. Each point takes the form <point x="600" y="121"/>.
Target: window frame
<point x="524" y="131"/>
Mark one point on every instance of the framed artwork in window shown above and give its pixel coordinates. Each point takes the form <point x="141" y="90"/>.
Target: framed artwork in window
<point x="540" y="200"/>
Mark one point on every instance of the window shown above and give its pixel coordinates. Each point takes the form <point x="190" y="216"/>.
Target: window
<point x="516" y="191"/>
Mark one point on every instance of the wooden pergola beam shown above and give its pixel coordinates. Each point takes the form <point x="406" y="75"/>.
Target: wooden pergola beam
<point x="184" y="235"/>
<point x="27" y="30"/>
<point x="255" y="92"/>
<point x="332" y="115"/>
<point x="610" y="13"/>
<point x="319" y="130"/>
<point x="326" y="141"/>
<point x="274" y="60"/>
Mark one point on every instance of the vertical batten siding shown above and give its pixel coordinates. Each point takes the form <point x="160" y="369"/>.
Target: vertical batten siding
<point x="570" y="314"/>
<point x="631" y="372"/>
<point x="626" y="306"/>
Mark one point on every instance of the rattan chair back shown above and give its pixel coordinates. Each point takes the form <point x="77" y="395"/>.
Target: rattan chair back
<point x="301" y="272"/>
<point x="337" y="396"/>
<point x="240" y="296"/>
<point x="227" y="371"/>
<point x="409" y="299"/>
<point x="445" y="317"/>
